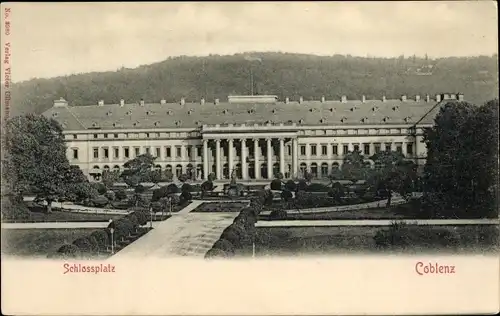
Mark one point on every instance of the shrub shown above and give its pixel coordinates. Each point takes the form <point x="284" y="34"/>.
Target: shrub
<point x="224" y="245"/>
<point x="207" y="186"/>
<point x="102" y="238"/>
<point x="172" y="188"/>
<point x="286" y="195"/>
<point x="159" y="193"/>
<point x="168" y="176"/>
<point x="139" y="189"/>
<point x="317" y="187"/>
<point x="278" y="215"/>
<point x="216" y="253"/>
<point x="186" y="187"/>
<point x="142" y="219"/>
<point x="275" y="184"/>
<point x="156" y="206"/>
<point x="233" y="235"/>
<point x="68" y="251"/>
<point x="100" y="187"/>
<point x="185" y="197"/>
<point x="301" y="185"/>
<point x="290" y="185"/>
<point x="120" y="194"/>
<point x="110" y="195"/>
<point x="84" y="245"/>
<point x="183" y="177"/>
<point x="175" y="199"/>
<point x="133" y="219"/>
<point x="100" y="201"/>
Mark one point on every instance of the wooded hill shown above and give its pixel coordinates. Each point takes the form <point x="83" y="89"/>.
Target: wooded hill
<point x="283" y="74"/>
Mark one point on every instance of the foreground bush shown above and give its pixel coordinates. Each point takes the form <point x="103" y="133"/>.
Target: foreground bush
<point x="216" y="253"/>
<point x="68" y="251"/>
<point x="224" y="245"/>
<point x="84" y="245"/>
<point x="101" y="236"/>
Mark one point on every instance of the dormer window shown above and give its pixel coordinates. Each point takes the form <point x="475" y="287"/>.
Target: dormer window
<point x="95" y="124"/>
<point x="332" y="109"/>
<point x="322" y="120"/>
<point x="149" y="112"/>
<point x="274" y="111"/>
<point x="407" y="119"/>
<point x="224" y="111"/>
<point x="386" y="119"/>
<point x="109" y="113"/>
<point x="301" y="121"/>
<point x="136" y="124"/>
<point x="251" y="111"/>
<point x="375" y="108"/>
<point x="364" y="120"/>
<point x="114" y="124"/>
<point x="177" y="123"/>
<point x="128" y="113"/>
<point x="311" y="110"/>
<point x="169" y="112"/>
<point x="157" y="123"/>
<point x="190" y="112"/>
<point x="353" y="109"/>
<point x="395" y="108"/>
<point x="198" y="123"/>
<point x="343" y="120"/>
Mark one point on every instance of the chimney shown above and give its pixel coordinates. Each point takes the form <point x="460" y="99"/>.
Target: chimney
<point x="460" y="96"/>
<point x="384" y="98"/>
<point x="202" y="101"/>
<point x="343" y="99"/>
<point x="323" y="99"/>
<point x="438" y="98"/>
<point x="417" y="98"/>
<point x="100" y="103"/>
<point x="287" y="100"/>
<point x="163" y="101"/>
<point x="183" y="101"/>
<point x="363" y="99"/>
<point x="301" y="100"/>
<point x="122" y="102"/>
<point x="141" y="102"/>
<point x="403" y="98"/>
<point x="216" y="101"/>
<point x="60" y="102"/>
<point x="427" y="98"/>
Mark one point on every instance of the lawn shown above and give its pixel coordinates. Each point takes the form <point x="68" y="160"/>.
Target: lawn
<point x="37" y="214"/>
<point x="217" y="207"/>
<point x="38" y="242"/>
<point x="382" y="213"/>
<point x="293" y="241"/>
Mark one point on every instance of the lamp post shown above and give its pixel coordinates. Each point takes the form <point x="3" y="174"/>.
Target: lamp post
<point x="151" y="221"/>
<point x="111" y="227"/>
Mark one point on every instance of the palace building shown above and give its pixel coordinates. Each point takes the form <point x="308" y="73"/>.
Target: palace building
<point x="255" y="136"/>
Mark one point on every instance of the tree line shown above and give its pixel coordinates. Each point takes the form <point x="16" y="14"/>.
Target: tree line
<point x="286" y="75"/>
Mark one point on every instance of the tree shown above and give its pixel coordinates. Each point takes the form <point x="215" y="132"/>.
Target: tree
<point x="109" y="178"/>
<point x="168" y="175"/>
<point x="138" y="170"/>
<point x="301" y="185"/>
<point x="77" y="186"/>
<point x="120" y="194"/>
<point x="155" y="176"/>
<point x="353" y="167"/>
<point x="35" y="157"/>
<point x="206" y="186"/>
<point x="393" y="174"/>
<point x="308" y="176"/>
<point x="461" y="170"/>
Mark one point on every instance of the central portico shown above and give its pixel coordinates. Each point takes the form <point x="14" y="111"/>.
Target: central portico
<point x="252" y="151"/>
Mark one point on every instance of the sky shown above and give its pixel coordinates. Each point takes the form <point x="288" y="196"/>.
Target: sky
<point x="53" y="39"/>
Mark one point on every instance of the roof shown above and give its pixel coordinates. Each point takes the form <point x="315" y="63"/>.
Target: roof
<point x="192" y="115"/>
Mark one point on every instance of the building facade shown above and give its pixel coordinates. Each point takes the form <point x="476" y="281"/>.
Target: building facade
<point x="254" y="136"/>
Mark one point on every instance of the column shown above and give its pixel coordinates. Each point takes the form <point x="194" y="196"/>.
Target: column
<point x="256" y="151"/>
<point x="295" y="157"/>
<point x="183" y="154"/>
<point x="282" y="156"/>
<point x="205" y="159"/>
<point x="372" y="149"/>
<point x="217" y="159"/>
<point x="403" y="149"/>
<point x="393" y="146"/>
<point x="269" y="159"/>
<point x="244" y="169"/>
<point x="340" y="149"/>
<point x="350" y="147"/>
<point x="230" y="157"/>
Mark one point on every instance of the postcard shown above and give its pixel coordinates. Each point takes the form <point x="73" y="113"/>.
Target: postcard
<point x="250" y="158"/>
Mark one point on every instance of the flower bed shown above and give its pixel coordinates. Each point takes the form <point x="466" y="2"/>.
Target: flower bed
<point x="217" y="207"/>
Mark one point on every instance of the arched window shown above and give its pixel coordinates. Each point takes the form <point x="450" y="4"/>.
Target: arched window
<point x="178" y="170"/>
<point x="116" y="168"/>
<point x="324" y="170"/>
<point x="314" y="169"/>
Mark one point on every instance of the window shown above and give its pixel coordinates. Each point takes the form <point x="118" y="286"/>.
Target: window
<point x="115" y="135"/>
<point x="75" y="153"/>
<point x="367" y="149"/>
<point x="158" y="153"/>
<point x="324" y="150"/>
<point x="168" y="152"/>
<point x="137" y="151"/>
<point x="345" y="149"/>
<point x="148" y="150"/>
<point x="188" y="151"/>
<point x="198" y="151"/>
<point x="147" y="135"/>
<point x="356" y="147"/>
<point x="388" y="147"/>
<point x="399" y="148"/>
<point x="289" y="148"/>
<point x="178" y="152"/>
<point x="95" y="135"/>
<point x="409" y="149"/>
<point x="96" y="153"/>
<point x="302" y="150"/>
<point x="116" y="152"/>
<point x="313" y="150"/>
<point x="377" y="148"/>
<point x="335" y="149"/>
<point x="157" y="135"/>
<point x="126" y="152"/>
<point x="75" y="136"/>
<point x="105" y="152"/>
<point x="105" y="135"/>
